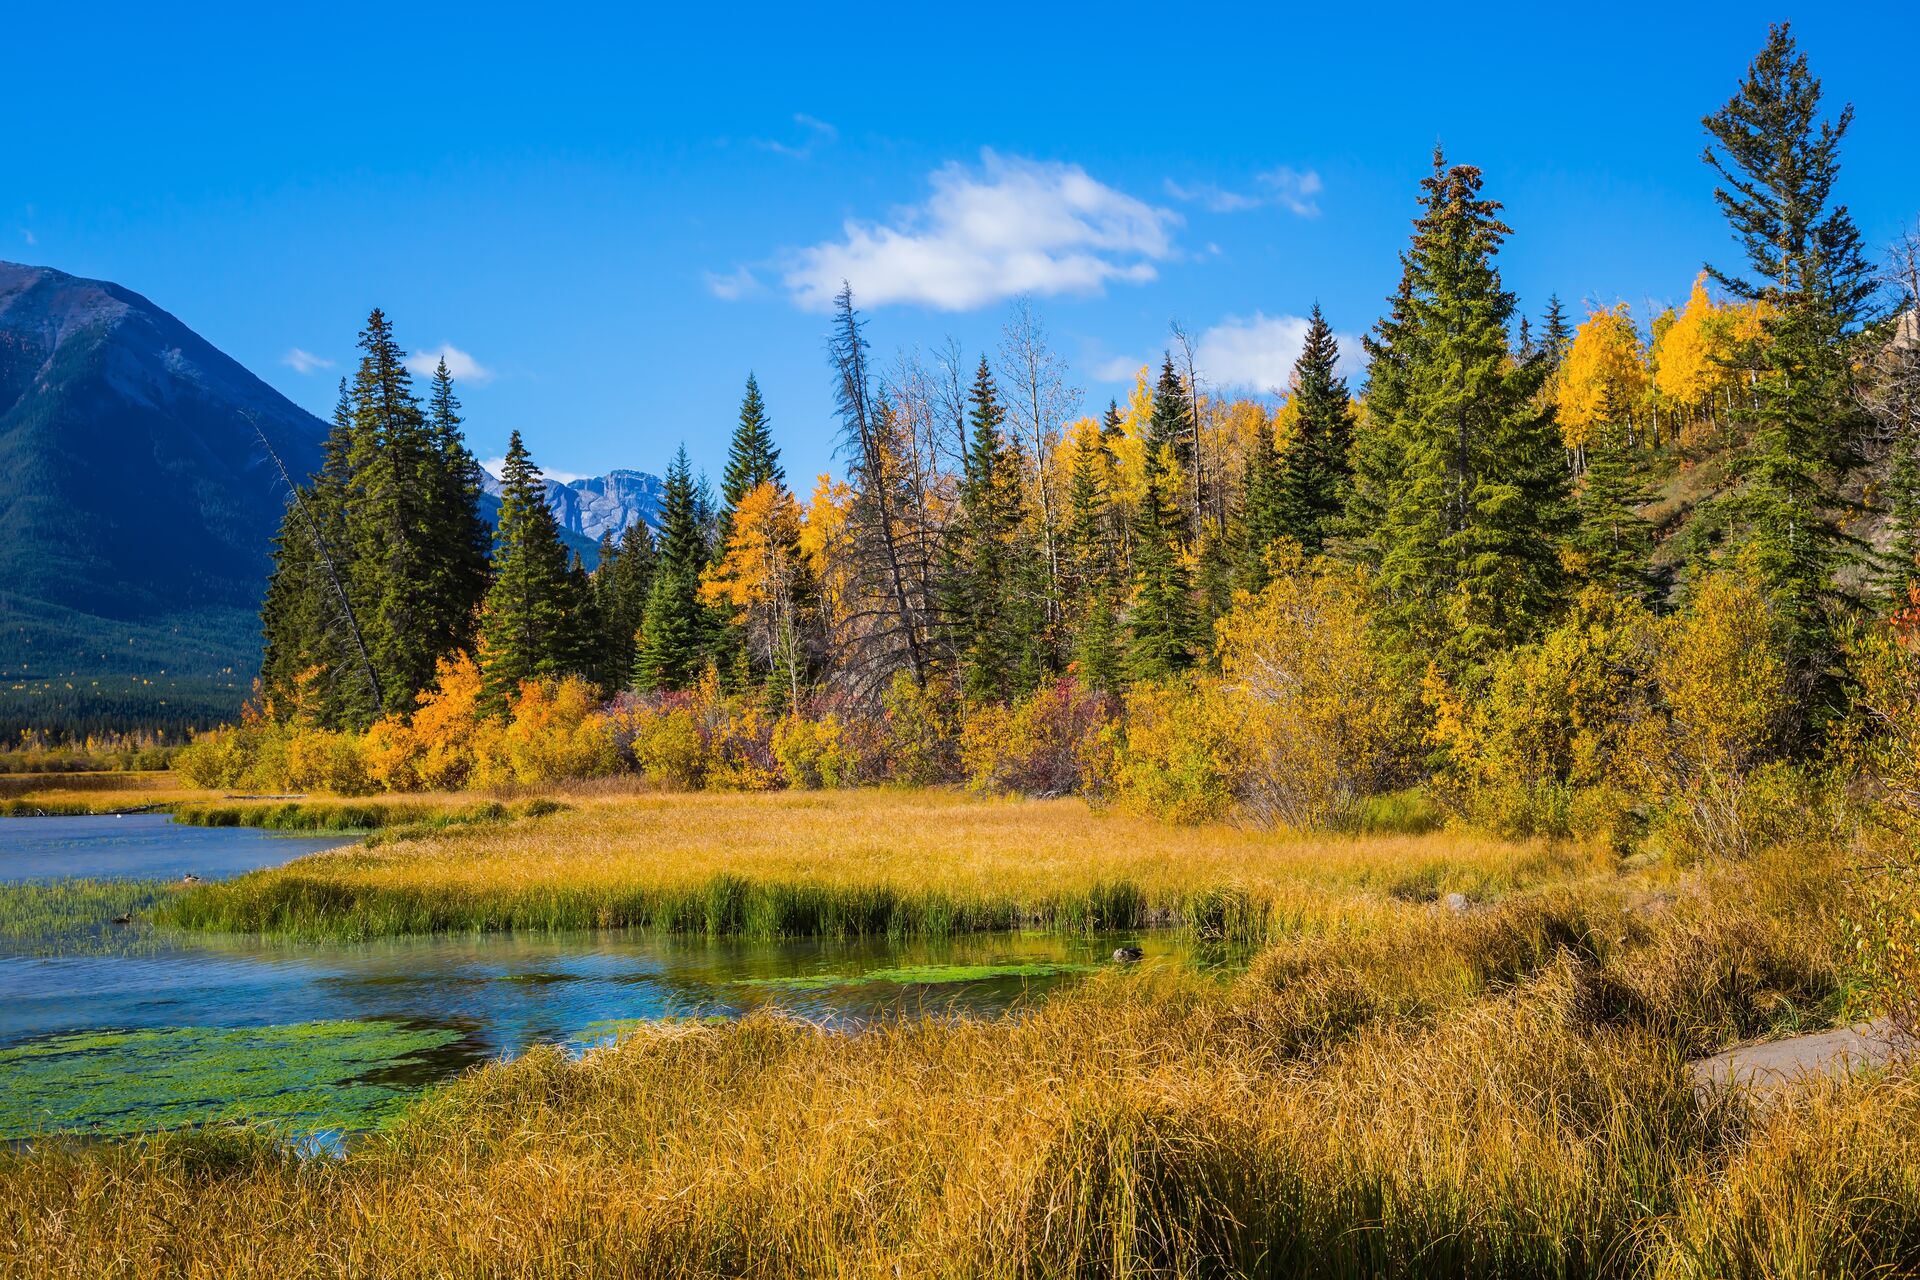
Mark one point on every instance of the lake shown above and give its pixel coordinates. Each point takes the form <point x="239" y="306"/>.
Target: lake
<point x="115" y="1028"/>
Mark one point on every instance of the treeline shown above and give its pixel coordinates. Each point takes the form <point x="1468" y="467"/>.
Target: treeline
<point x="1494" y="483"/>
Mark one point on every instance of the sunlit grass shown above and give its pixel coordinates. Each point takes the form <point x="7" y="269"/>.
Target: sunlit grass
<point x="873" y="862"/>
<point x="1498" y="1093"/>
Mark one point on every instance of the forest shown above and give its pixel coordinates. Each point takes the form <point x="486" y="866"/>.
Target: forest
<point x="1554" y="576"/>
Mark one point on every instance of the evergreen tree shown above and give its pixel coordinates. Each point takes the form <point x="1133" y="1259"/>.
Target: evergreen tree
<point x="1779" y="162"/>
<point x="621" y="584"/>
<point x="1161" y="618"/>
<point x="674" y="632"/>
<point x="1263" y="519"/>
<point x="1170" y="430"/>
<point x="537" y="619"/>
<point x="1556" y="335"/>
<point x="752" y="459"/>
<point x="1461" y="485"/>
<point x="1613" y="541"/>
<point x="1311" y="481"/>
<point x="991" y="580"/>
<point x="458" y="534"/>
<point x="1092" y="562"/>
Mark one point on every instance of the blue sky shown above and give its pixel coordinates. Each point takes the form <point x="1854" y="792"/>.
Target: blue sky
<point x="613" y="216"/>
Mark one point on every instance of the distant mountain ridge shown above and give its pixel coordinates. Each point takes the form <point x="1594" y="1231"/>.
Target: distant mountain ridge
<point x="138" y="508"/>
<point x="594" y="506"/>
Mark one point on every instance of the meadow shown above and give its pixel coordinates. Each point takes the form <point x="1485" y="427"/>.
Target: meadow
<point x="881" y="861"/>
<point x="1395" y="1087"/>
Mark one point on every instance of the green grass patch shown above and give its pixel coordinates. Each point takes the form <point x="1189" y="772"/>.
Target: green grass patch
<point x="919" y="975"/>
<point x="302" y="1076"/>
<point x="76" y="908"/>
<point x="392" y="820"/>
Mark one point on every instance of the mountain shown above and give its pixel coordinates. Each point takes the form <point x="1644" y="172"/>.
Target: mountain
<point x="137" y="507"/>
<point x="588" y="508"/>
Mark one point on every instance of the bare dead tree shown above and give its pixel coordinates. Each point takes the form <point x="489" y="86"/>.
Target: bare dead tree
<point x="1203" y="487"/>
<point x="886" y="617"/>
<point x="1040" y="401"/>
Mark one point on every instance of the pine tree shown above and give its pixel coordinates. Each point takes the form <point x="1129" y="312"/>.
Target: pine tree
<point x="1613" y="541"/>
<point x="991" y="578"/>
<point x="1160" y="620"/>
<point x="1311" y="481"/>
<point x="1092" y="561"/>
<point x="536" y="621"/>
<point x="1263" y="519"/>
<point x="460" y="542"/>
<point x="1556" y="335"/>
<point x="1171" y="427"/>
<point x="674" y="633"/>
<point x="1779" y="162"/>
<point x="621" y="585"/>
<point x="752" y="459"/>
<point x="1461" y="492"/>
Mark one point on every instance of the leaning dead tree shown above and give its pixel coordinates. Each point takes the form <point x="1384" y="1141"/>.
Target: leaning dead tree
<point x="324" y="557"/>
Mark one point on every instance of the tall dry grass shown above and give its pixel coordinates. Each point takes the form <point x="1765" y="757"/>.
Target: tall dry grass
<point x="874" y="862"/>
<point x="1498" y="1094"/>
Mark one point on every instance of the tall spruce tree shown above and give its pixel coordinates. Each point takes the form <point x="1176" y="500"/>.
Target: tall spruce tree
<point x="1778" y="162"/>
<point x="1311" y="480"/>
<point x="1556" y="335"/>
<point x="621" y="583"/>
<point x="1170" y="429"/>
<point x="1160" y="620"/>
<point x="461" y="541"/>
<point x="1461" y="491"/>
<point x="1092" y="559"/>
<point x="752" y="458"/>
<point x="674" y="633"/>
<point x="1613" y="542"/>
<point x="536" y="620"/>
<point x="1263" y="516"/>
<point x="997" y="620"/>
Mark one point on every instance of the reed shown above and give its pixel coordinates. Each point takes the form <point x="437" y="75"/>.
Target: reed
<point x="1484" y="1107"/>
<point x="869" y="863"/>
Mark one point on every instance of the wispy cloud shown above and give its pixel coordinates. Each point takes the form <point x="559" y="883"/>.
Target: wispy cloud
<point x="459" y="364"/>
<point x="495" y="466"/>
<point x="301" y="360"/>
<point x="732" y="285"/>
<point x="1285" y="187"/>
<point x="1116" y="369"/>
<point x="1010" y="226"/>
<point x="1256" y="352"/>
<point x="816" y="133"/>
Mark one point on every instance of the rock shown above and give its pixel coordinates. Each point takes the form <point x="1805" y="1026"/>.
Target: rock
<point x="1127" y="955"/>
<point x="1457" y="903"/>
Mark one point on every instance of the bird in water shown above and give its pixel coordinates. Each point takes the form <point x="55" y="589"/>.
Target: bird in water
<point x="125" y="918"/>
<point x="189" y="878"/>
<point x="1127" y="955"/>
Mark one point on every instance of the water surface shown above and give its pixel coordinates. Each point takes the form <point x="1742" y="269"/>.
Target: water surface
<point x="143" y="846"/>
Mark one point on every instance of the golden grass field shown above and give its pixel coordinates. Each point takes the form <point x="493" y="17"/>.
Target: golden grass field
<point x="1392" y="1088"/>
<point x="877" y="861"/>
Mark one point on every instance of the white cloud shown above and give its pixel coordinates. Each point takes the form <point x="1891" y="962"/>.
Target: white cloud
<point x="732" y="286"/>
<point x="1256" y="353"/>
<point x="1285" y="187"/>
<point x="31" y="238"/>
<point x="1295" y="189"/>
<point x="1010" y="227"/>
<point x="459" y="364"/>
<point x="303" y="361"/>
<point x="495" y="466"/>
<point x="1116" y="369"/>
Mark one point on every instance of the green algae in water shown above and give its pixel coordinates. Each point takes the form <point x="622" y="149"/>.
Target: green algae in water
<point x="920" y="975"/>
<point x="304" y="1076"/>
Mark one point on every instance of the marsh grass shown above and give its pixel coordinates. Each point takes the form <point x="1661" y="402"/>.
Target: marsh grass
<point x="1483" y="1114"/>
<point x="77" y="914"/>
<point x="887" y="863"/>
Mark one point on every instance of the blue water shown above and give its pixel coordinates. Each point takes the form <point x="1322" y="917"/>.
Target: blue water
<point x="142" y="846"/>
<point x="501" y="992"/>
